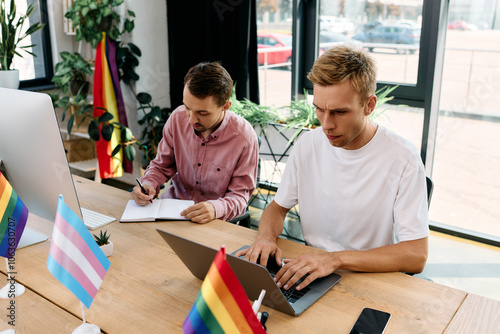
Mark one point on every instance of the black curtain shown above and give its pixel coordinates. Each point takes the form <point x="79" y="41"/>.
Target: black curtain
<point x="215" y="30"/>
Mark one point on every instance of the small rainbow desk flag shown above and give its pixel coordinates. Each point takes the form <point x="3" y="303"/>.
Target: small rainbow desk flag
<point x="13" y="214"/>
<point x="75" y="259"/>
<point x="222" y="305"/>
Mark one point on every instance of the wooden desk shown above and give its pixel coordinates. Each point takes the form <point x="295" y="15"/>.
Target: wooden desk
<point x="34" y="314"/>
<point x="149" y="290"/>
<point x="476" y="315"/>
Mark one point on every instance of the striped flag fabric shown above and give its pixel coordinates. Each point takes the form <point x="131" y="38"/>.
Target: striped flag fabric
<point x="13" y="214"/>
<point x="75" y="259"/>
<point x="108" y="95"/>
<point x="222" y="305"/>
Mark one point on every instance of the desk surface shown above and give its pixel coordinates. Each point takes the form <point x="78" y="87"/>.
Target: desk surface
<point x="149" y="290"/>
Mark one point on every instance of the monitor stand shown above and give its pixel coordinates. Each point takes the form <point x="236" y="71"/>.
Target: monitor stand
<point x="30" y="237"/>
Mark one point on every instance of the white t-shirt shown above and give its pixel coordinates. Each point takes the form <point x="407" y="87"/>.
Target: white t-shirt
<point x="356" y="199"/>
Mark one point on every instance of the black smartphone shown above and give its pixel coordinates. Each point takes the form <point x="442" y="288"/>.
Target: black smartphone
<point x="371" y="321"/>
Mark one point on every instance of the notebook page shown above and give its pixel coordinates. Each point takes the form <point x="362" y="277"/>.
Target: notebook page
<point x="171" y="208"/>
<point x="135" y="212"/>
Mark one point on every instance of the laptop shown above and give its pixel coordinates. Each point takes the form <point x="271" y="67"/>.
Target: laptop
<point x="253" y="277"/>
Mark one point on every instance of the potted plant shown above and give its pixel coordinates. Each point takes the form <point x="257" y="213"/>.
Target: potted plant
<point x="91" y="18"/>
<point x="71" y="78"/>
<point x="11" y="24"/>
<point x="104" y="243"/>
<point x="71" y="74"/>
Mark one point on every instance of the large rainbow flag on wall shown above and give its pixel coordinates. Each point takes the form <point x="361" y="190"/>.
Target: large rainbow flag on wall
<point x="108" y="95"/>
<point x="13" y="214"/>
<point x="75" y="259"/>
<point x="222" y="305"/>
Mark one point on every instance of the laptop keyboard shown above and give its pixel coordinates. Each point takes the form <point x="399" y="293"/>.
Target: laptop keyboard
<point x="292" y="295"/>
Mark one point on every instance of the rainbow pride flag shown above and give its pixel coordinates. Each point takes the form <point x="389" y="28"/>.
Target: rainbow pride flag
<point x="13" y="214"/>
<point x="222" y="305"/>
<point x="75" y="259"/>
<point x="108" y="95"/>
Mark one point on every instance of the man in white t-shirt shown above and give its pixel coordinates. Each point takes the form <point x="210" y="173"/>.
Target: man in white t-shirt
<point x="361" y="188"/>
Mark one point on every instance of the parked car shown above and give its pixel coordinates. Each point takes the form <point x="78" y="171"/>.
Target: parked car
<point x="369" y="26"/>
<point x="393" y="34"/>
<point x="336" y="24"/>
<point x="274" y="40"/>
<point x="328" y="39"/>
<point x="457" y="25"/>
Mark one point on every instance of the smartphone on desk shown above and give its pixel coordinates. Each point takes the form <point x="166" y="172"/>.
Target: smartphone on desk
<point x="371" y="321"/>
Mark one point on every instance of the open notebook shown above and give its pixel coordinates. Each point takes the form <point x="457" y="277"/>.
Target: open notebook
<point x="160" y="209"/>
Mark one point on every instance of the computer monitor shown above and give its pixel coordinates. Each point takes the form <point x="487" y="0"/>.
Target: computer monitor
<point x="33" y="156"/>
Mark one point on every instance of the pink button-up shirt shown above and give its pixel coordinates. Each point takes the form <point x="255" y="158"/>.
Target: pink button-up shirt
<point x="220" y="169"/>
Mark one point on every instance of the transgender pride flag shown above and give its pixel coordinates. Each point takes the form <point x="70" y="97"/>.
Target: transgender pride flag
<point x="75" y="259"/>
<point x="13" y="217"/>
<point x="222" y="305"/>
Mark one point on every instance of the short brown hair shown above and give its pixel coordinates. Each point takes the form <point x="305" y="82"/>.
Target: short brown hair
<point x="346" y="62"/>
<point x="209" y="79"/>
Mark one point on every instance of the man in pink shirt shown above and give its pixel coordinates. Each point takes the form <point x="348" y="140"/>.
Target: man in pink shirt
<point x="208" y="152"/>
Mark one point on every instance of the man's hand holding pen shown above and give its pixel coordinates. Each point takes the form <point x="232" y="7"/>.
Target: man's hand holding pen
<point x="143" y="194"/>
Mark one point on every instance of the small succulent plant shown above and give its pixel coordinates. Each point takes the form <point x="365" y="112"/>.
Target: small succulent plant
<point x="103" y="238"/>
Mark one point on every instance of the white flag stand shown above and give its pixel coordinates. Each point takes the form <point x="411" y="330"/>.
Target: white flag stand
<point x="86" y="328"/>
<point x="12" y="289"/>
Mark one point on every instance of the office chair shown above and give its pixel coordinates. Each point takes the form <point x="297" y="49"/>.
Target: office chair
<point x="244" y="219"/>
<point x="430" y="187"/>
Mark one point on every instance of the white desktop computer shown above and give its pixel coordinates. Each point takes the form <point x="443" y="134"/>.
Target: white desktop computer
<point x="33" y="156"/>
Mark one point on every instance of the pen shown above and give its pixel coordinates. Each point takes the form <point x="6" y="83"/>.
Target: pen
<point x="143" y="190"/>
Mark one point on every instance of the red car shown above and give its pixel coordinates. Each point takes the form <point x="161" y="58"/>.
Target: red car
<point x="274" y="40"/>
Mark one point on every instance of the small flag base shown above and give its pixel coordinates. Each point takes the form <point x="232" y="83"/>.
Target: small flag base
<point x="11" y="291"/>
<point x="87" y="329"/>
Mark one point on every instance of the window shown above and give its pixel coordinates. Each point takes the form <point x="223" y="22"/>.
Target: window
<point x="274" y="39"/>
<point x="35" y="71"/>
<point x="466" y="169"/>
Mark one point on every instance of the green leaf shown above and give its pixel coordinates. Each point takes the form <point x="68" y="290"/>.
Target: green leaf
<point x="131" y="13"/>
<point x="135" y="50"/>
<point x="129" y="25"/>
<point x="126" y="134"/>
<point x="144" y="98"/>
<point x="70" y="123"/>
<point x="107" y="131"/>
<point x="107" y="116"/>
<point x="156" y="113"/>
<point x="94" y="131"/>
<point x="129" y="153"/>
<point x="116" y="150"/>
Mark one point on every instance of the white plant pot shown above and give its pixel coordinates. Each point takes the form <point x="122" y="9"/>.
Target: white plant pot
<point x="9" y="79"/>
<point x="107" y="249"/>
<point x="275" y="141"/>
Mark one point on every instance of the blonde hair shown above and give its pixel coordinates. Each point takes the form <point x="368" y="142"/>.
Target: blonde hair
<point x="346" y="62"/>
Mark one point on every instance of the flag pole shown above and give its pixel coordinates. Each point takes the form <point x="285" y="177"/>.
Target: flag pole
<point x="83" y="312"/>
<point x="86" y="328"/>
<point x="12" y="289"/>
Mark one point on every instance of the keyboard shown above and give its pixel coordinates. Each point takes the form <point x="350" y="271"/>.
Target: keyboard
<point x="292" y="295"/>
<point x="94" y="220"/>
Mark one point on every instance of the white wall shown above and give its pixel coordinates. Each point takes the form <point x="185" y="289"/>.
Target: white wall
<point x="150" y="35"/>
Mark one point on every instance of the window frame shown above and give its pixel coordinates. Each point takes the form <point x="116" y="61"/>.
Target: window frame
<point x="46" y="81"/>
<point x="424" y="94"/>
